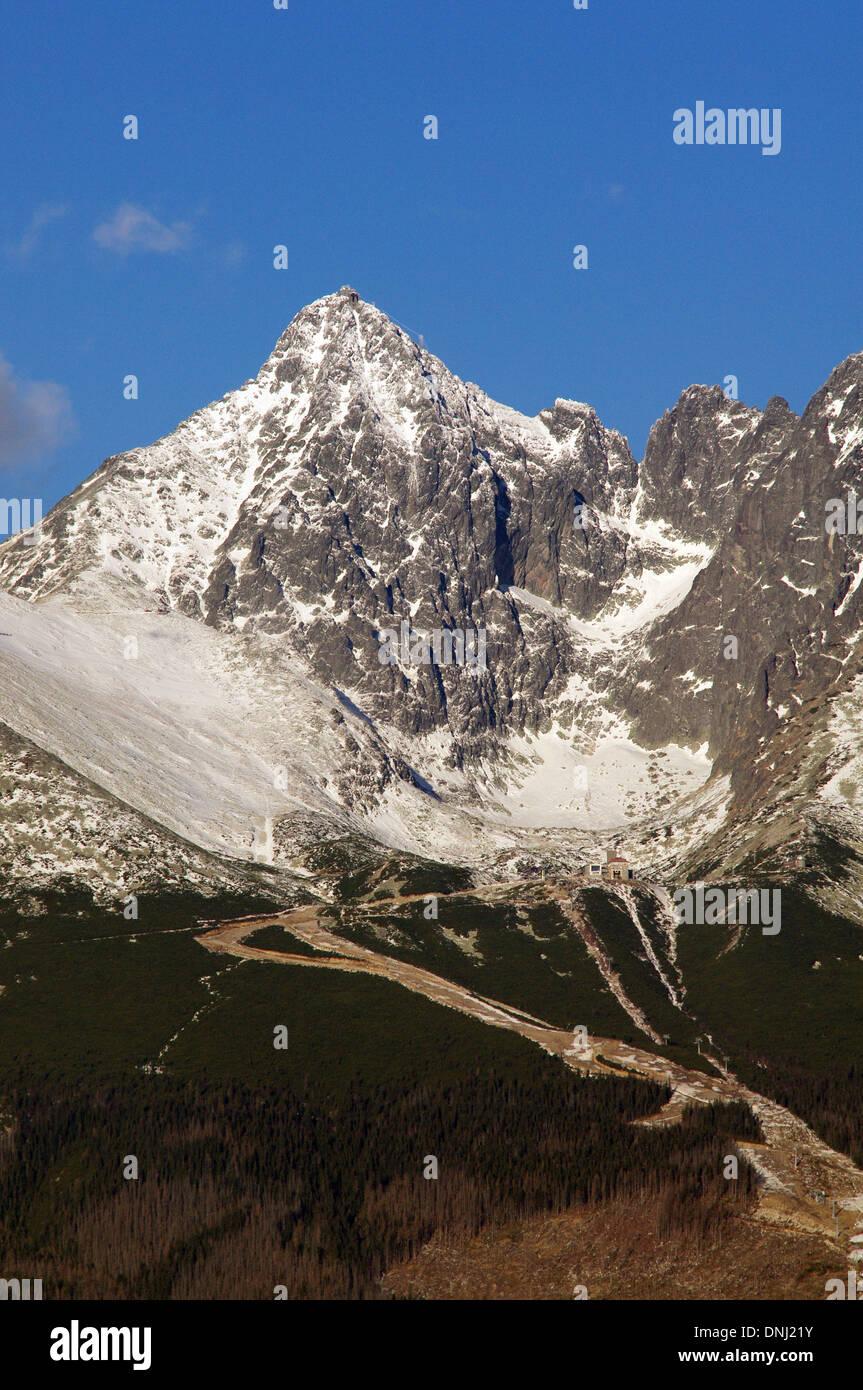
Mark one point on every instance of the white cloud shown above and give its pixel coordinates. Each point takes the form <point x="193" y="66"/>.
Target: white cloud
<point x="35" y="416"/>
<point x="42" y="217"/>
<point x="134" y="229"/>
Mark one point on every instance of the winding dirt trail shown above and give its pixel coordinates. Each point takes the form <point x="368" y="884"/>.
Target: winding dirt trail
<point x="804" y="1180"/>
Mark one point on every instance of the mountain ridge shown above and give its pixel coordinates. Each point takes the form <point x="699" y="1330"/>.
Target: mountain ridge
<point x="355" y="484"/>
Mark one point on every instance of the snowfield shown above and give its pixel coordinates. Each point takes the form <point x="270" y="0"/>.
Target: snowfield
<point x="183" y="731"/>
<point x="218" y="735"/>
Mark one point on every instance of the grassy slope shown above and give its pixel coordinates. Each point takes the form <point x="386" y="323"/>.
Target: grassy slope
<point x="527" y="957"/>
<point x="102" y="1003"/>
<point x="764" y="994"/>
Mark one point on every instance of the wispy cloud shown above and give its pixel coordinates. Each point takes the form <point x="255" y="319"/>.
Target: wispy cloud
<point x="234" y="253"/>
<point x="135" y="229"/>
<point x="35" y="416"/>
<point x="29" y="239"/>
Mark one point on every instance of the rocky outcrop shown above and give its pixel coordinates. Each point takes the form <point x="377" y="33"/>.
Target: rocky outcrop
<point x="356" y="488"/>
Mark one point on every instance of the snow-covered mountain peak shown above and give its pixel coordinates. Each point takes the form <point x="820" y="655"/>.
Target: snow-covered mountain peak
<point x="323" y="525"/>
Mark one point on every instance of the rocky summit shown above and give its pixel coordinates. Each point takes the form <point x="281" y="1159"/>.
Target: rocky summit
<point x="266" y="627"/>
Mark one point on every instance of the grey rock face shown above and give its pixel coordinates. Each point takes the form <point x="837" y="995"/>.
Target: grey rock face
<point x="356" y="485"/>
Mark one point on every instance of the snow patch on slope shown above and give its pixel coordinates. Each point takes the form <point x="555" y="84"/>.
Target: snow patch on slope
<point x="187" y="731"/>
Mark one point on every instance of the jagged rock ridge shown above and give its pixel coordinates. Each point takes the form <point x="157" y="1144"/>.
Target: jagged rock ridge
<point x="354" y="485"/>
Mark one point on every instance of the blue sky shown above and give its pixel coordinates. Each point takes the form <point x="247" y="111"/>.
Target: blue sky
<point x="305" y="127"/>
